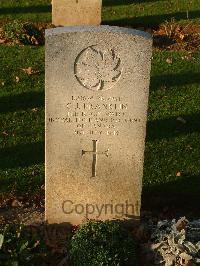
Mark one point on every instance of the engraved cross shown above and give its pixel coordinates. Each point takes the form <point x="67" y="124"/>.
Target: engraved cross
<point x="95" y="153"/>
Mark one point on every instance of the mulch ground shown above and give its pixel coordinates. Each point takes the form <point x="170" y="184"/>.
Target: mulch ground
<point x="168" y="36"/>
<point x="26" y="210"/>
<point x="30" y="212"/>
<point x="174" y="37"/>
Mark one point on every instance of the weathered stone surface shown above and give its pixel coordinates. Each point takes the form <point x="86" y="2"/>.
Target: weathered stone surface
<point x="97" y="84"/>
<point x="76" y="12"/>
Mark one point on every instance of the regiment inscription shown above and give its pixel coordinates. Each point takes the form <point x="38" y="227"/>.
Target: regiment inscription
<point x="84" y="116"/>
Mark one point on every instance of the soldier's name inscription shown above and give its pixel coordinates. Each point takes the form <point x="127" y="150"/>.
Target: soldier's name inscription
<point x="89" y="115"/>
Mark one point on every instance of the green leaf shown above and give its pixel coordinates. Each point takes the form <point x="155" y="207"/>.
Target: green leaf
<point x="14" y="263"/>
<point x="1" y="240"/>
<point x="23" y="246"/>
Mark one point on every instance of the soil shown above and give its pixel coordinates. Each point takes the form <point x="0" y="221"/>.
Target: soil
<point x="30" y="212"/>
<point x="174" y="37"/>
<point x="168" y="36"/>
<point x="22" y="209"/>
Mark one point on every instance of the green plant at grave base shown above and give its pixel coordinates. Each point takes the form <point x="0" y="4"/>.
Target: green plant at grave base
<point x="23" y="32"/>
<point x="106" y="243"/>
<point x="20" y="247"/>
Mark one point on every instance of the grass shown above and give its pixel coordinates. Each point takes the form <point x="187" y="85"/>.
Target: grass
<point x="116" y="12"/>
<point x="26" y="10"/>
<point x="21" y="118"/>
<point x="172" y="145"/>
<point x="150" y="13"/>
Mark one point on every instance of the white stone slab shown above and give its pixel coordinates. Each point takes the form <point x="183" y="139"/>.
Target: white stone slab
<point x="76" y="12"/>
<point x="97" y="86"/>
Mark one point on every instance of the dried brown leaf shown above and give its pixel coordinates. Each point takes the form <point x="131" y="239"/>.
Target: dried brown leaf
<point x="178" y="174"/>
<point x="188" y="263"/>
<point x="30" y="71"/>
<point x="181" y="224"/>
<point x="169" y="60"/>
<point x="15" y="203"/>
<point x="2" y="41"/>
<point x="5" y="133"/>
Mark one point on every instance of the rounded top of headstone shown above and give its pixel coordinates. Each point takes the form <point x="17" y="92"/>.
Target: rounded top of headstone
<point x="97" y="29"/>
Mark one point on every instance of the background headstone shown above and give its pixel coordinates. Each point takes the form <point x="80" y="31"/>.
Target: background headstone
<point x="97" y="84"/>
<point x="76" y="12"/>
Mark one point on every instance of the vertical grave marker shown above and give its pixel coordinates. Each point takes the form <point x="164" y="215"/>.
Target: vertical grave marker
<point x="97" y="85"/>
<point x="76" y="12"/>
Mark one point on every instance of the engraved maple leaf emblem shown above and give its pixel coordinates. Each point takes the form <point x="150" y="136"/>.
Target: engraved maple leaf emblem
<point x="96" y="69"/>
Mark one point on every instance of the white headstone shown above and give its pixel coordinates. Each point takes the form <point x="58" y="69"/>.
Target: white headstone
<point x="76" y="12"/>
<point x="97" y="86"/>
